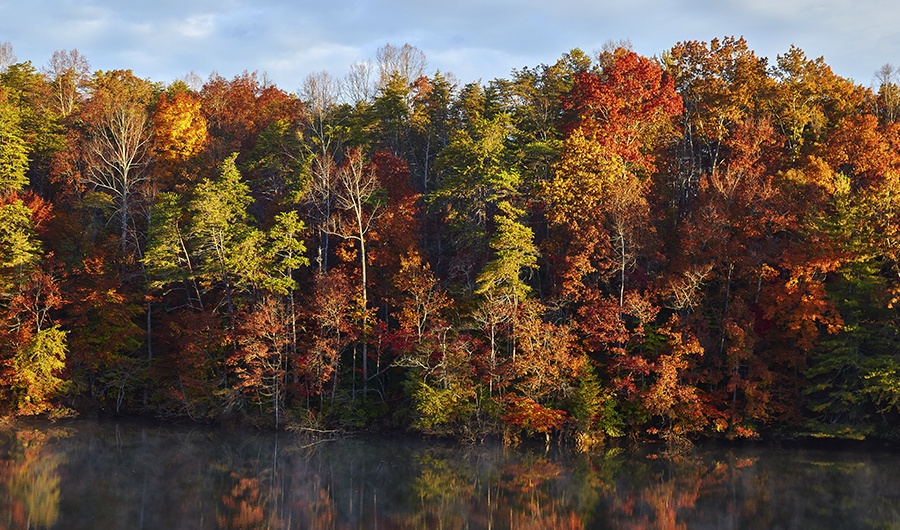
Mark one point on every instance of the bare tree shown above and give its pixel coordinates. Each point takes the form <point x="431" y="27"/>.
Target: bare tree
<point x="69" y="73"/>
<point x="320" y="92"/>
<point x="355" y="188"/>
<point x="193" y="81"/>
<point x="7" y="57"/>
<point x="358" y="84"/>
<point x="117" y="147"/>
<point x="117" y="154"/>
<point x="406" y="62"/>
<point x="887" y="78"/>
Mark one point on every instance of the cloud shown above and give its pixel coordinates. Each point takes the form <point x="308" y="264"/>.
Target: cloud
<point x="196" y="27"/>
<point x="473" y="39"/>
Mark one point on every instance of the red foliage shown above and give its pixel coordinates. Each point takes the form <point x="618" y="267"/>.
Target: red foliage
<point x="530" y="415"/>
<point x="626" y="108"/>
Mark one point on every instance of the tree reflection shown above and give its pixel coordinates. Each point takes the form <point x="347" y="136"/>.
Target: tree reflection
<point x="444" y="488"/>
<point x="241" y="505"/>
<point x="138" y="476"/>
<point x="30" y="480"/>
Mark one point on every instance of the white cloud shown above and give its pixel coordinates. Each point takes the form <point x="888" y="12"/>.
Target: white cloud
<point x="197" y="27"/>
<point x="473" y="39"/>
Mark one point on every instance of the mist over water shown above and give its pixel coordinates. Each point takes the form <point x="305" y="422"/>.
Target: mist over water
<point x="86" y="474"/>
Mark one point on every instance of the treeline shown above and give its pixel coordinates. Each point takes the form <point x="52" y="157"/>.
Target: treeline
<point x="701" y="243"/>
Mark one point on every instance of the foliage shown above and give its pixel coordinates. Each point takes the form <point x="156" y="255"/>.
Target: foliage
<point x="698" y="244"/>
<point x="36" y="371"/>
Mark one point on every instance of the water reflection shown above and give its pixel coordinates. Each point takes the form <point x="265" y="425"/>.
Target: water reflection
<point x="29" y="479"/>
<point x="93" y="475"/>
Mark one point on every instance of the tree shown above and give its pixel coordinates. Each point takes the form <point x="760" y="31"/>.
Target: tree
<point x="886" y="79"/>
<point x="260" y="361"/>
<point x="117" y="147"/>
<point x="429" y="125"/>
<point x="7" y="56"/>
<point x="69" y="74"/>
<point x="325" y="135"/>
<point x="514" y="255"/>
<point x="358" y="83"/>
<point x="627" y="108"/>
<point x="809" y="98"/>
<point x="421" y="306"/>
<point x="36" y="371"/>
<point x="169" y="258"/>
<point x="475" y="174"/>
<point x="547" y="361"/>
<point x="103" y="335"/>
<point x="330" y="311"/>
<point x="19" y="248"/>
<point x="285" y="254"/>
<point x="38" y="124"/>
<point x="179" y="132"/>
<point x="721" y="83"/>
<point x="228" y="248"/>
<point x="356" y="193"/>
<point x="603" y="210"/>
<point x="13" y="149"/>
<point x="405" y="63"/>
<point x="238" y="110"/>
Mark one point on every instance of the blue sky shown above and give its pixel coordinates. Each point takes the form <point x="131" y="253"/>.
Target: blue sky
<point x="474" y="39"/>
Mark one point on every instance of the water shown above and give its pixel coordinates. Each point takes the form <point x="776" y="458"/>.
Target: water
<point x="115" y="476"/>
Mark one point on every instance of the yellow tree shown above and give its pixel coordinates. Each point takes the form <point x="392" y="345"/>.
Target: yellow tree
<point x="809" y="99"/>
<point x="179" y="131"/>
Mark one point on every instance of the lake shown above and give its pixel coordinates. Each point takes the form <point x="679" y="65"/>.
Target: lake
<point x="103" y="475"/>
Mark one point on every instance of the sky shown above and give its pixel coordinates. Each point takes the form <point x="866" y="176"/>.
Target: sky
<point x="165" y="40"/>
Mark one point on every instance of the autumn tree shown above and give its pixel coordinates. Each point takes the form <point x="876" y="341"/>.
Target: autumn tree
<point x="356" y="194"/>
<point x="721" y="84"/>
<point x="809" y="98"/>
<point x="117" y="148"/>
<point x="238" y="110"/>
<point x="429" y="126"/>
<point x="261" y="360"/>
<point x="331" y="318"/>
<point x="179" y="134"/>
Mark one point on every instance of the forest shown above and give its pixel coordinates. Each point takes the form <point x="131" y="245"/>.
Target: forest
<point x="698" y="244"/>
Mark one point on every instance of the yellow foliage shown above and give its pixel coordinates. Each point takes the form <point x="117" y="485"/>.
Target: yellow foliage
<point x="179" y="128"/>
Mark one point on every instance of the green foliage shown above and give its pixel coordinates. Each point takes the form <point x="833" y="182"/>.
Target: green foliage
<point x="13" y="149"/>
<point x="882" y="383"/>
<point x="356" y="414"/>
<point x="515" y="253"/>
<point x="36" y="371"/>
<point x="852" y="371"/>
<point x="229" y="248"/>
<point x="166" y="258"/>
<point x="476" y="174"/>
<point x="19" y="248"/>
<point x="593" y="408"/>
<point x="285" y="252"/>
<point x="437" y="409"/>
